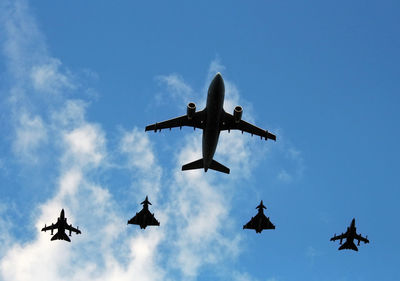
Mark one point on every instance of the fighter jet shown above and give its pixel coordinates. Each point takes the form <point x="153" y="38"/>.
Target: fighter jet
<point x="350" y="235"/>
<point x="61" y="225"/>
<point x="260" y="221"/>
<point x="144" y="217"/>
<point x="212" y="120"/>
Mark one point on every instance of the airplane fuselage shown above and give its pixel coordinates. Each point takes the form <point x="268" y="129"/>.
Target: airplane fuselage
<point x="214" y="110"/>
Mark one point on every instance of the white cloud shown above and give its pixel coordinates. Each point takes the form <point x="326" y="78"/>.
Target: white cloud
<point x="137" y="149"/>
<point x="86" y="144"/>
<point x="193" y="207"/>
<point x="31" y="133"/>
<point x="48" y="78"/>
<point x="176" y="85"/>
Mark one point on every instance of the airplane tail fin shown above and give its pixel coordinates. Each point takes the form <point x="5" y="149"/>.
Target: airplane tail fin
<point x="60" y="236"/>
<point x="219" y="167"/>
<point x="349" y="245"/>
<point x="199" y="164"/>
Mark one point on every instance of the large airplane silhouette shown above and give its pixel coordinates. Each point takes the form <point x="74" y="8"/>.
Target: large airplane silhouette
<point x="212" y="120"/>
<point x="61" y="225"/>
<point x="144" y="218"/>
<point x="260" y="221"/>
<point x="350" y="235"/>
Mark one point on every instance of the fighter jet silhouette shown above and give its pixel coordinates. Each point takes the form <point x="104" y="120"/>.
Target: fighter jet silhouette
<point x="350" y="235"/>
<point x="212" y="120"/>
<point x="260" y="221"/>
<point x="61" y="226"/>
<point x="144" y="217"/>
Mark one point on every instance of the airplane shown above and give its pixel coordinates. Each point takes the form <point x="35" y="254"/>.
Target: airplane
<point x="212" y="120"/>
<point x="260" y="221"/>
<point x="61" y="225"/>
<point x="144" y="218"/>
<point x="350" y="235"/>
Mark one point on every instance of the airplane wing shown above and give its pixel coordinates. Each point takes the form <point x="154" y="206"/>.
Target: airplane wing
<point x="197" y="121"/>
<point x="50" y="227"/>
<point x="152" y="220"/>
<point x="251" y="224"/>
<point x="266" y="223"/>
<point x="259" y="221"/>
<point x="228" y="122"/>
<point x="360" y="238"/>
<point x="134" y="220"/>
<point x="144" y="217"/>
<point x="337" y="237"/>
<point x="71" y="228"/>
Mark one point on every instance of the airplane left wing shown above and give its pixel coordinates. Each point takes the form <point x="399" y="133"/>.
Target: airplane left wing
<point x="50" y="227"/>
<point x="196" y="121"/>
<point x="71" y="228"/>
<point x="251" y="224"/>
<point x="230" y="123"/>
<point x="337" y="237"/>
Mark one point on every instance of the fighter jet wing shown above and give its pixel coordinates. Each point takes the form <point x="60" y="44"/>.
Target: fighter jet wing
<point x="144" y="217"/>
<point x="337" y="237"/>
<point x="197" y="121"/>
<point x="71" y="228"/>
<point x="260" y="221"/>
<point x="50" y="227"/>
<point x="360" y="238"/>
<point x="228" y="122"/>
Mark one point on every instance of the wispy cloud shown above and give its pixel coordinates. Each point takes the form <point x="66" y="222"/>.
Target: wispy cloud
<point x="193" y="207"/>
<point x="175" y="88"/>
<point x="293" y="168"/>
<point x="31" y="133"/>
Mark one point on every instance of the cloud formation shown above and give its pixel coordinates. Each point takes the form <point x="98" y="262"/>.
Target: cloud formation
<point x="194" y="208"/>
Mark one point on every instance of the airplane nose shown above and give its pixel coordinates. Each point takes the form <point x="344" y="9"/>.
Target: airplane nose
<point x="218" y="82"/>
<point x="218" y="78"/>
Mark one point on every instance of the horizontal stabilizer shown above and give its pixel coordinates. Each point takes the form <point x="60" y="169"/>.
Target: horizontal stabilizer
<point x="198" y="164"/>
<point x="348" y="245"/>
<point x="60" y="236"/>
<point x="219" y="167"/>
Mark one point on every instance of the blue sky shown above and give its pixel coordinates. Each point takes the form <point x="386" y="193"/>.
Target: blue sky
<point x="80" y="81"/>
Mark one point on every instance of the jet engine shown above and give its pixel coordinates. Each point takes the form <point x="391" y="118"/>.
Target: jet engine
<point x="191" y="109"/>
<point x="237" y="113"/>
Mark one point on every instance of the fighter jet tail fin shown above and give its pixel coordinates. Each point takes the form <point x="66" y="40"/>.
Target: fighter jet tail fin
<point x="60" y="236"/>
<point x="348" y="245"/>
<point x="198" y="164"/>
<point x="219" y="167"/>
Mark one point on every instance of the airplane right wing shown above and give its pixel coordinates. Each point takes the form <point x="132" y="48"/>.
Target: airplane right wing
<point x="152" y="220"/>
<point x="266" y="223"/>
<point x="196" y="121"/>
<point x="360" y="238"/>
<point x="230" y="123"/>
<point x="71" y="228"/>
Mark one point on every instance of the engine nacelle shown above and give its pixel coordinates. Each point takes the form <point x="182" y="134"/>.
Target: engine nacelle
<point x="237" y="113"/>
<point x="191" y="110"/>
